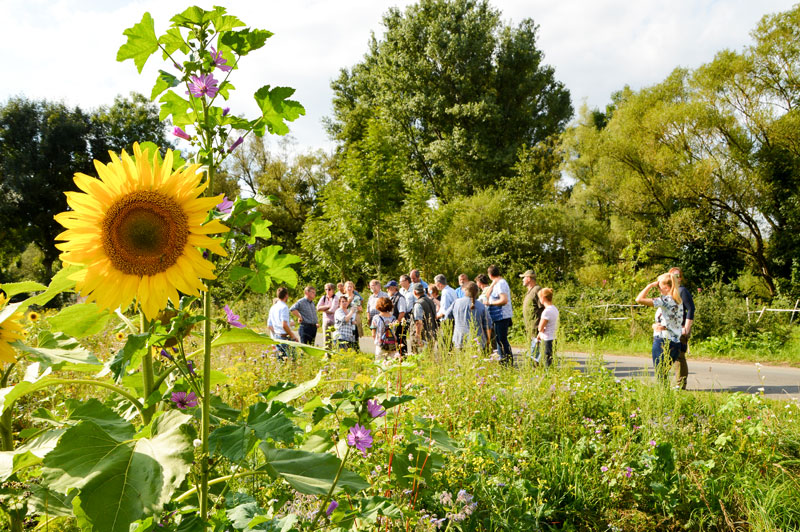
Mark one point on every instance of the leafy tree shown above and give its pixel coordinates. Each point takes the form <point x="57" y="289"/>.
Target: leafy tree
<point x="461" y="91"/>
<point x="128" y="120"/>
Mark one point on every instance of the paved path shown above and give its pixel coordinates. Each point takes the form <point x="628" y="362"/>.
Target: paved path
<point x="778" y="382"/>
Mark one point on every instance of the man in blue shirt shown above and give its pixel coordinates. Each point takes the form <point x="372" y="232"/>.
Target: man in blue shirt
<point x="448" y="298"/>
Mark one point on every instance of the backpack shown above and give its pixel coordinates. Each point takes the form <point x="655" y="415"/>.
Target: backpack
<point x="388" y="339"/>
<point x="395" y="298"/>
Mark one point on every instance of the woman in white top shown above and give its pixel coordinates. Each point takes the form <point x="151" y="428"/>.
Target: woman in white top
<point x="668" y="320"/>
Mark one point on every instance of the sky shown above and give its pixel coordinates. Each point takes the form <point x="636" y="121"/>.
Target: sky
<point x="65" y="50"/>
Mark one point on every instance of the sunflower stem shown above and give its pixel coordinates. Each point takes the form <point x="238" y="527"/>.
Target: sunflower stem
<point x="147" y="376"/>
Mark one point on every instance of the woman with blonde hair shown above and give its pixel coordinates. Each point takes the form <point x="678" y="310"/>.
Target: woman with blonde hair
<point x="668" y="319"/>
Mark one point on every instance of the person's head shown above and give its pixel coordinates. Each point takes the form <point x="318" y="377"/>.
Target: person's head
<point x="546" y="295"/>
<point x="283" y="293"/>
<point x="391" y="287"/>
<point x="375" y="286"/>
<point x="343" y="301"/>
<point x="419" y="290"/>
<point x="329" y="289"/>
<point x="669" y="284"/>
<point x="414" y="274"/>
<point x="493" y="271"/>
<point x="433" y="290"/>
<point x="528" y="279"/>
<point x="441" y="281"/>
<point x="471" y="291"/>
<point x="482" y="281"/>
<point x="340" y="287"/>
<point x="310" y="292"/>
<point x="384" y="304"/>
<point x="349" y="287"/>
<point x="677" y="271"/>
<point x="462" y="280"/>
<point x="405" y="281"/>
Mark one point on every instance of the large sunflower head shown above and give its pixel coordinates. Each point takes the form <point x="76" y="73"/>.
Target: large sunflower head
<point x="137" y="230"/>
<point x="10" y="330"/>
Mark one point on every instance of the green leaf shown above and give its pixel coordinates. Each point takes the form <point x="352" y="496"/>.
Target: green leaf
<point x="244" y="41"/>
<point x="297" y="391"/>
<point x="12" y="289"/>
<point x="29" y="454"/>
<point x="259" y="229"/>
<point x="173" y="40"/>
<point x="269" y="422"/>
<point x="80" y="321"/>
<point x="48" y="502"/>
<point x="53" y="349"/>
<point x="231" y="441"/>
<point x="164" y="81"/>
<point x="239" y="272"/>
<point x="142" y="42"/>
<point x="107" y="419"/>
<point x="318" y="442"/>
<point x="249" y="336"/>
<point x="370" y="509"/>
<point x="225" y="88"/>
<point x="31" y="383"/>
<point x="275" y="108"/>
<point x="177" y="107"/>
<point x="310" y="473"/>
<point x="424" y="465"/>
<point x="189" y="17"/>
<point x="60" y="283"/>
<point x="131" y="353"/>
<point x="120" y="481"/>
<point x="277" y="265"/>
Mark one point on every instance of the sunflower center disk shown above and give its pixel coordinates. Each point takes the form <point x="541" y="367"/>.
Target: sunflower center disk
<point x="144" y="233"/>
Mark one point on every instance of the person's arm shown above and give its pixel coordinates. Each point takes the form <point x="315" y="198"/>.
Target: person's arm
<point x="688" y="303"/>
<point x="289" y="331"/>
<point x="297" y="315"/>
<point x="542" y="324"/>
<point x="642" y="298"/>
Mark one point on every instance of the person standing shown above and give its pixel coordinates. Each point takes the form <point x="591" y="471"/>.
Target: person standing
<point x="344" y="325"/>
<point x="448" y="298"/>
<point x="278" y="324"/>
<point x="424" y="316"/>
<point x="500" y="311"/>
<point x="470" y="315"/>
<point x="547" y="325"/>
<point x="416" y="279"/>
<point x="355" y="300"/>
<point x="463" y="279"/>
<point x="327" y="305"/>
<point x="669" y="317"/>
<point x="399" y="310"/>
<point x="532" y="307"/>
<point x="372" y="301"/>
<point x="384" y="333"/>
<point x="306" y="314"/>
<point x="682" y="368"/>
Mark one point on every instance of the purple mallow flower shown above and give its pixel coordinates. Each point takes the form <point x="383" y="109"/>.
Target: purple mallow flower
<point x="375" y="409"/>
<point x="236" y="144"/>
<point x="359" y="437"/>
<point x="203" y="85"/>
<point x="219" y="61"/>
<point x="233" y="319"/>
<point x="178" y="132"/>
<point x="225" y="206"/>
<point x="184" y="400"/>
<point x="190" y="367"/>
<point x="225" y="111"/>
<point x="331" y="507"/>
<point x="165" y="354"/>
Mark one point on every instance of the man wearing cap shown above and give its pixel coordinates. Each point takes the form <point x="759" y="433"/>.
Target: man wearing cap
<point x="399" y="310"/>
<point x="532" y="307"/>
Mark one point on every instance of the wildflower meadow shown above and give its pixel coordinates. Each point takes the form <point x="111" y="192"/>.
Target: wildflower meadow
<point x="144" y="402"/>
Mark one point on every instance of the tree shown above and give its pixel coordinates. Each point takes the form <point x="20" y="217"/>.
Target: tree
<point x="42" y="145"/>
<point x="461" y="91"/>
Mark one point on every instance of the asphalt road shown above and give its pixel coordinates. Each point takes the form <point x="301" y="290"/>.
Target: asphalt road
<point x="709" y="376"/>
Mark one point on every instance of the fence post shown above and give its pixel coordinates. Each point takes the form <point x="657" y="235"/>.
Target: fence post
<point x="793" y="311"/>
<point x="760" y="314"/>
<point x="747" y="302"/>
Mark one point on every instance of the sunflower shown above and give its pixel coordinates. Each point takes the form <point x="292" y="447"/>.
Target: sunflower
<point x="33" y="316"/>
<point x="10" y="331"/>
<point x="136" y="232"/>
<point x="121" y="336"/>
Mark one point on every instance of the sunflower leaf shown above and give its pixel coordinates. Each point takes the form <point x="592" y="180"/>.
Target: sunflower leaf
<point x="60" y="283"/>
<point x="80" y="321"/>
<point x="53" y="349"/>
<point x="12" y="289"/>
<point x="142" y="42"/>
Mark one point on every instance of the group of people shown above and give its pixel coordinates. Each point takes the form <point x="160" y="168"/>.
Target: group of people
<point x="408" y="315"/>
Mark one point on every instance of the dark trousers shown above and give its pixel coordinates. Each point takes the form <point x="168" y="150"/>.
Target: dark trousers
<point x="682" y="368"/>
<point x="662" y="347"/>
<point x="503" y="347"/>
<point x="308" y="333"/>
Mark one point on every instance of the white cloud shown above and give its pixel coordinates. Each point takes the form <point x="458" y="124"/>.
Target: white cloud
<point x="66" y="49"/>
